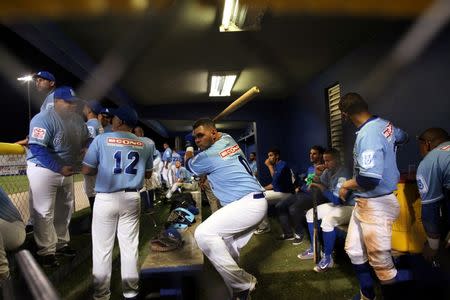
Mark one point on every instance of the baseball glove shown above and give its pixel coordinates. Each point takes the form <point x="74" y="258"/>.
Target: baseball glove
<point x="167" y="240"/>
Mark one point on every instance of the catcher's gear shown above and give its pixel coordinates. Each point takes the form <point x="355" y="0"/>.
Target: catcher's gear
<point x="167" y="240"/>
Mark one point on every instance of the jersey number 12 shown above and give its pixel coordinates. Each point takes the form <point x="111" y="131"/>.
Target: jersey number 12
<point x="130" y="168"/>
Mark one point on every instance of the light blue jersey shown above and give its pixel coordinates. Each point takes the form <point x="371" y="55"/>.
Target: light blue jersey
<point x="156" y="153"/>
<point x="167" y="155"/>
<point x="374" y="156"/>
<point x="94" y="128"/>
<point x="8" y="211"/>
<point x="333" y="181"/>
<point x="176" y="157"/>
<point x="227" y="170"/>
<point x="253" y="167"/>
<point x="64" y="136"/>
<point x="107" y="128"/>
<point x="121" y="159"/>
<point x="184" y="175"/>
<point x="433" y="174"/>
<point x="49" y="102"/>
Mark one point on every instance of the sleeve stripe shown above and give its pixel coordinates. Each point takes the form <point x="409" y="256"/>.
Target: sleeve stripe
<point x="188" y="167"/>
<point x="89" y="165"/>
<point x="372" y="175"/>
<point x="432" y="200"/>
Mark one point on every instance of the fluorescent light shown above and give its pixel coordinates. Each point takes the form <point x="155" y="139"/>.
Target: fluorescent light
<point x="227" y="11"/>
<point x="25" y="78"/>
<point x="221" y="85"/>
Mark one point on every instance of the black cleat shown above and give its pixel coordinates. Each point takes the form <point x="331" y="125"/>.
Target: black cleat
<point x="66" y="251"/>
<point x="48" y="261"/>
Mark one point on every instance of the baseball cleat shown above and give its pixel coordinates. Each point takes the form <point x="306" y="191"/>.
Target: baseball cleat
<point x="307" y="254"/>
<point x="324" y="264"/>
<point x="262" y="230"/>
<point x="66" y="251"/>
<point x="285" y="237"/>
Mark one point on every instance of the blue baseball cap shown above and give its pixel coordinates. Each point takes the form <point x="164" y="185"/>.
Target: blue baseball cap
<point x="45" y="75"/>
<point x="95" y="106"/>
<point x="65" y="93"/>
<point x="126" y="114"/>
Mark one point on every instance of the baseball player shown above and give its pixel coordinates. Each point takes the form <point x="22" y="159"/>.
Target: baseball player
<point x="12" y="232"/>
<point x="433" y="181"/>
<point x="91" y="110"/>
<point x="45" y="83"/>
<point x="105" y="119"/>
<point x="252" y="163"/>
<point x="183" y="180"/>
<point x="336" y="212"/>
<point x="375" y="177"/>
<point x="148" y="190"/>
<point x="57" y="137"/>
<point x="279" y="189"/>
<point x="166" y="159"/>
<point x="226" y="231"/>
<point x="172" y="168"/>
<point x="121" y="160"/>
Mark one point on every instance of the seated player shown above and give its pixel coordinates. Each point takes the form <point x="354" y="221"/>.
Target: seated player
<point x="183" y="180"/>
<point x="336" y="212"/>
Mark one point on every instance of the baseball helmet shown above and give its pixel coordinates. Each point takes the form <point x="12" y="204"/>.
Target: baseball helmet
<point x="180" y="218"/>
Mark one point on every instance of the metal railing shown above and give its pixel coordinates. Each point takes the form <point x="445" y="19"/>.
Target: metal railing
<point x="32" y="283"/>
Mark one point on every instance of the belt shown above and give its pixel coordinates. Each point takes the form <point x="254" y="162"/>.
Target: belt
<point x="131" y="190"/>
<point x="258" y="195"/>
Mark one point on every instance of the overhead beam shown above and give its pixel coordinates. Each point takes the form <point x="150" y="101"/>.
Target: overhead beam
<point x="25" y="9"/>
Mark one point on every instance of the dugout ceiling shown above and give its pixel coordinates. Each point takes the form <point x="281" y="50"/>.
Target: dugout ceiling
<point x="163" y="55"/>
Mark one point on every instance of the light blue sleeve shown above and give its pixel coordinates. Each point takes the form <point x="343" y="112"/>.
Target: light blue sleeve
<point x="199" y="164"/>
<point x="428" y="181"/>
<point x="370" y="157"/>
<point x="91" y="156"/>
<point x="401" y="137"/>
<point x="41" y="130"/>
<point x="149" y="163"/>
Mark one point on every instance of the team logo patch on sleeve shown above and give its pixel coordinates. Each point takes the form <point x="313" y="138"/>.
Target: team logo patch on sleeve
<point x="229" y="151"/>
<point x="38" y="133"/>
<point x="421" y="184"/>
<point x="122" y="142"/>
<point x="388" y="131"/>
<point x="445" y="148"/>
<point x="367" y="160"/>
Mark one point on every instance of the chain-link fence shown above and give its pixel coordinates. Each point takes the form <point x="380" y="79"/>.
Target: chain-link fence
<point x="14" y="181"/>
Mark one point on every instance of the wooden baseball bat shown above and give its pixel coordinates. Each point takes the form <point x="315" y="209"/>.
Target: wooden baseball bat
<point x="247" y="96"/>
<point x="316" y="246"/>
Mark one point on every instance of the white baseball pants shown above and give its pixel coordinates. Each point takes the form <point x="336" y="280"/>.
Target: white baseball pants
<point x="115" y="211"/>
<point x="370" y="233"/>
<point x="331" y="215"/>
<point x="52" y="207"/>
<point x="225" y="232"/>
<point x="272" y="197"/>
<point x="12" y="236"/>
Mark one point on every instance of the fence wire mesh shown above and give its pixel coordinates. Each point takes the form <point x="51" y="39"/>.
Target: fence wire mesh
<point x="14" y="181"/>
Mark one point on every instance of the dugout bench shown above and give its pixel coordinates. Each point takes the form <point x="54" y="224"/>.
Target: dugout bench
<point x="173" y="274"/>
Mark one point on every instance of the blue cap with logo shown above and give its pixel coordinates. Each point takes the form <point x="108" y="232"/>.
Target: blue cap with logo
<point x="95" y="106"/>
<point x="45" y="75"/>
<point x="65" y="93"/>
<point x="126" y="113"/>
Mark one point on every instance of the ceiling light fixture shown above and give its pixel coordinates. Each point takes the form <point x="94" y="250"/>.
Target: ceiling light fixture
<point x="221" y="85"/>
<point x="233" y="16"/>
